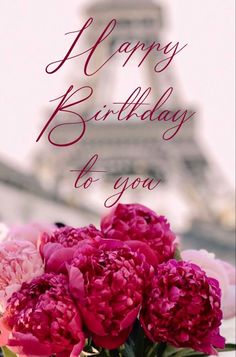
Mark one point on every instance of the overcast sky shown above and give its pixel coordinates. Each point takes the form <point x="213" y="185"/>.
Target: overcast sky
<point x="32" y="35"/>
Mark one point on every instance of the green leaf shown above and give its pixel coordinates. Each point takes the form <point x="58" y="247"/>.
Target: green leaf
<point x="169" y="351"/>
<point x="188" y="352"/>
<point x="7" y="353"/>
<point x="177" y="255"/>
<point x="128" y="351"/>
<point x="139" y="342"/>
<point x="152" y="351"/>
<point x="229" y="347"/>
<point x="104" y="353"/>
<point x="115" y="353"/>
<point x="156" y="349"/>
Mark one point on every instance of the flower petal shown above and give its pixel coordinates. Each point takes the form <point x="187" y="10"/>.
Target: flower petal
<point x="92" y="322"/>
<point x="28" y="344"/>
<point x="76" y="283"/>
<point x="58" y="259"/>
<point x="145" y="250"/>
<point x="130" y="318"/>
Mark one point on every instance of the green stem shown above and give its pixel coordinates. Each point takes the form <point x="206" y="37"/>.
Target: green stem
<point x="115" y="353"/>
<point x="152" y="350"/>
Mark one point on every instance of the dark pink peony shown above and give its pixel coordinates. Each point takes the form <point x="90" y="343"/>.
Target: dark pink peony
<point x="69" y="236"/>
<point x="60" y="246"/>
<point x="182" y="307"/>
<point x="108" y="283"/>
<point x="137" y="222"/>
<point x="41" y="319"/>
<point x="224" y="272"/>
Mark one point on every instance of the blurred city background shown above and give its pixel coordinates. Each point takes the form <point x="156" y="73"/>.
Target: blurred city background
<point x="196" y="167"/>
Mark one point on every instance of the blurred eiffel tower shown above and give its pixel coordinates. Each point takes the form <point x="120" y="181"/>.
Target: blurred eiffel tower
<point x="193" y="194"/>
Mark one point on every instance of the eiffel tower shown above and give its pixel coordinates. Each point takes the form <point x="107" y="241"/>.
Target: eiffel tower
<point x="192" y="187"/>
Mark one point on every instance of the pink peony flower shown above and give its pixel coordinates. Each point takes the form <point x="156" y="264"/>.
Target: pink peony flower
<point x="182" y="307"/>
<point x="108" y="282"/>
<point x="69" y="236"/>
<point x="30" y="232"/>
<point x="59" y="247"/>
<point x="41" y="319"/>
<point x="19" y="262"/>
<point x="137" y="222"/>
<point x="220" y="270"/>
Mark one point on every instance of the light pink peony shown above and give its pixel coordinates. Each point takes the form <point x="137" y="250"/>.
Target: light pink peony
<point x="41" y="319"/>
<point x="137" y="222"/>
<point x="19" y="262"/>
<point x="182" y="308"/>
<point x="107" y="282"/>
<point x="30" y="232"/>
<point x="220" y="270"/>
<point x="230" y="271"/>
<point x="3" y="231"/>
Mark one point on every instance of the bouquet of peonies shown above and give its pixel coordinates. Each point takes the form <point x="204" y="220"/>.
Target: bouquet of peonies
<point x="123" y="290"/>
